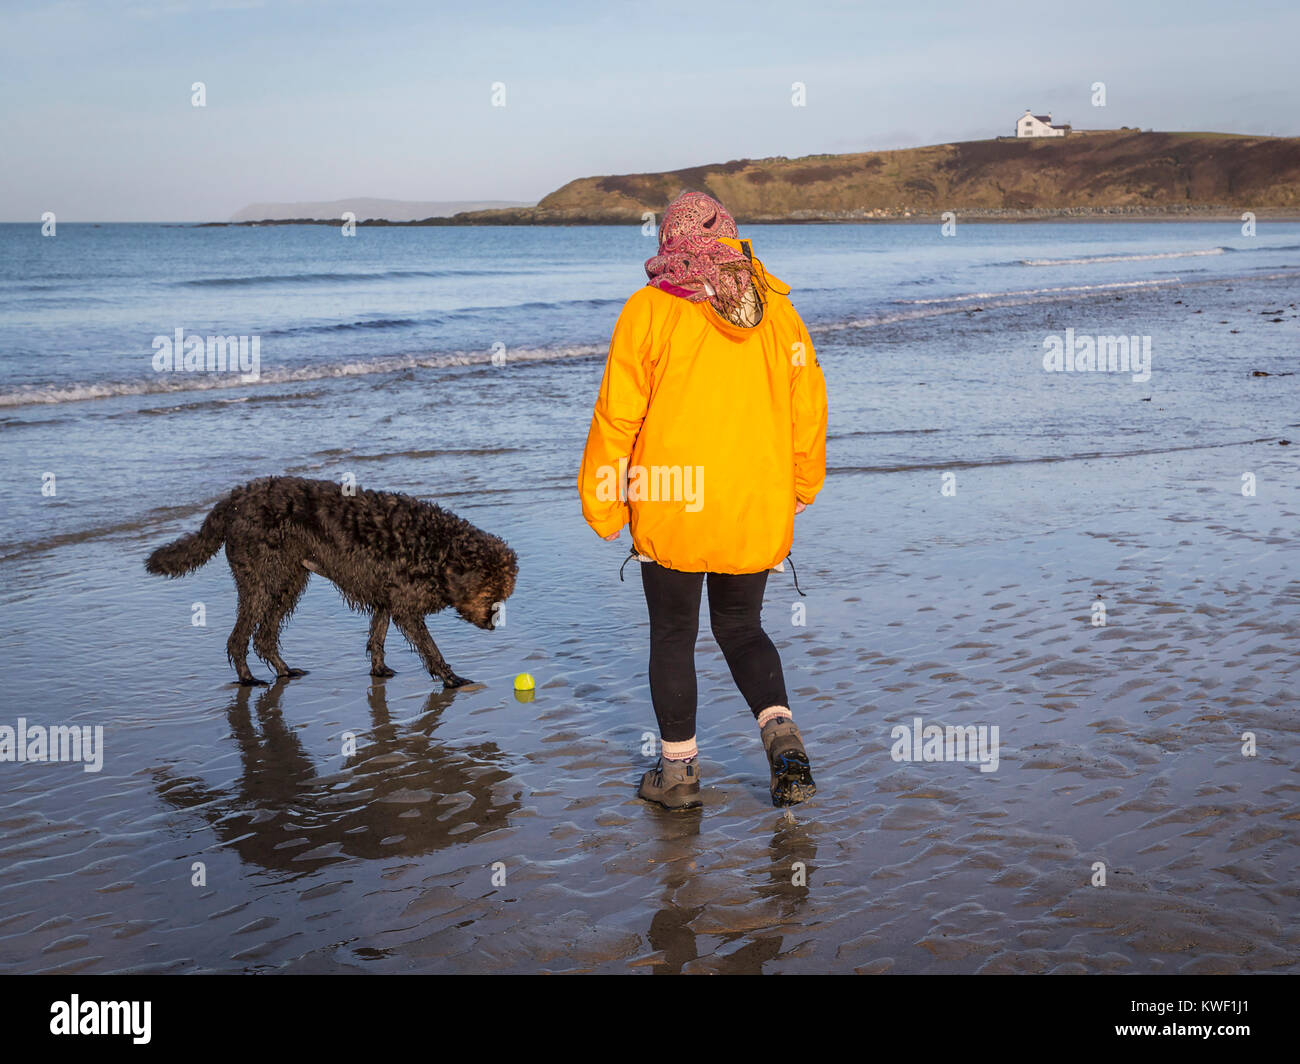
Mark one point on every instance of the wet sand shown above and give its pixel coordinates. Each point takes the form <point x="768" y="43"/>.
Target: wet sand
<point x="1120" y="744"/>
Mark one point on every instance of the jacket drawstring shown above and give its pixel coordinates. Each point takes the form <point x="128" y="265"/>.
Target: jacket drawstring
<point x="630" y="556"/>
<point x="795" y="574"/>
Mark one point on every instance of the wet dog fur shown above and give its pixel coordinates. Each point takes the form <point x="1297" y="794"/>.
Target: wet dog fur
<point x="391" y="556"/>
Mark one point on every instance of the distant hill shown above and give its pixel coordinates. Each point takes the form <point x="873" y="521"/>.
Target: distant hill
<point x="366" y="208"/>
<point x="1087" y="173"/>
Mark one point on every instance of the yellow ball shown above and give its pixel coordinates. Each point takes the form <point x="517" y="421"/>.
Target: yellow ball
<point x="524" y="682"/>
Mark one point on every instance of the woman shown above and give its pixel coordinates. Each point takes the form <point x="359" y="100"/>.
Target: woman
<point x="708" y="436"/>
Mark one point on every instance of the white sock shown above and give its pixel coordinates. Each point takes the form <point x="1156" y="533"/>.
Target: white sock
<point x="679" y="751"/>
<point x="774" y="713"/>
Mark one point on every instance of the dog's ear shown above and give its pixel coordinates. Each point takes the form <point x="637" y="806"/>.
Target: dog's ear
<point x="463" y="583"/>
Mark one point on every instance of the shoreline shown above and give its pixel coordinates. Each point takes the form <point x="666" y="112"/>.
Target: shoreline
<point x="231" y="388"/>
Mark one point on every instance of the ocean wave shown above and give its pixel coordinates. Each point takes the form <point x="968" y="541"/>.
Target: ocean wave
<point x="917" y="309"/>
<point x="332" y="277"/>
<point x="881" y="319"/>
<point x="16" y="550"/>
<point x="349" y="326"/>
<point x="1071" y="289"/>
<point x="218" y="403"/>
<point x="1042" y="459"/>
<point x="939" y="306"/>
<point x="175" y="383"/>
<point x="1028" y="296"/>
<point x="1148" y="257"/>
<point x="464" y="314"/>
<point x="535" y="305"/>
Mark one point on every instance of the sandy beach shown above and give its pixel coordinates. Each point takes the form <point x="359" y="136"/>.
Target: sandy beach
<point x="227" y="831"/>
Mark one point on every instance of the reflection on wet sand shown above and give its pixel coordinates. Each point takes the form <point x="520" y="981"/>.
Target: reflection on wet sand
<point x="784" y="887"/>
<point x="401" y="794"/>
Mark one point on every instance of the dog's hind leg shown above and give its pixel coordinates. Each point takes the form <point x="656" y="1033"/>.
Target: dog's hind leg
<point x="418" y="636"/>
<point x="250" y="607"/>
<point x="281" y="601"/>
<point x="375" y="644"/>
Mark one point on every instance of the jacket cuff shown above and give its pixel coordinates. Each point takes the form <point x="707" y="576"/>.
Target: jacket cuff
<point x="613" y="523"/>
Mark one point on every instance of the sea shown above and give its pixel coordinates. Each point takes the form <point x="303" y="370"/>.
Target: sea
<point x="431" y="349"/>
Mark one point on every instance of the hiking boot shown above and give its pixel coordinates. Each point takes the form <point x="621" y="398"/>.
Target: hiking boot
<point x="792" y="780"/>
<point x="673" y="784"/>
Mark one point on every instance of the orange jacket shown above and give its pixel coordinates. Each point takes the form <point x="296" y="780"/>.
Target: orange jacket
<point x="705" y="433"/>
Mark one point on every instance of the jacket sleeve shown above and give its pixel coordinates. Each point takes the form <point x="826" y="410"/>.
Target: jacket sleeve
<point x="616" y="421"/>
<point x="808" y="413"/>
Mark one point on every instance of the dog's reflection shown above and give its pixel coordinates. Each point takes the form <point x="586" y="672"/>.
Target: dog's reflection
<point x="401" y="794"/>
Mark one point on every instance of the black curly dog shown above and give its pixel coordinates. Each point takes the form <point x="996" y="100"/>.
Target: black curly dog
<point x="392" y="556"/>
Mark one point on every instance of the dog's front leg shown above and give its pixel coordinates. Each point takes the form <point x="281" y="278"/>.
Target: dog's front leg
<point x="413" y="628"/>
<point x="375" y="644"/>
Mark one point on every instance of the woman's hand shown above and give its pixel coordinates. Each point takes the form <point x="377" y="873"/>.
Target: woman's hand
<point x="799" y="507"/>
<point x="613" y="536"/>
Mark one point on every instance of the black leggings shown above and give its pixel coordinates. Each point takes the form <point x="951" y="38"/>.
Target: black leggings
<point x="735" y="605"/>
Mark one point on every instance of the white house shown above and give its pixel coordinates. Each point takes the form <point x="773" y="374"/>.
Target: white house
<point x="1032" y="125"/>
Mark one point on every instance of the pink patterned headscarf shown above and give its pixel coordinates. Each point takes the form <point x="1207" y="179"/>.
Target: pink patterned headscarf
<point x="690" y="254"/>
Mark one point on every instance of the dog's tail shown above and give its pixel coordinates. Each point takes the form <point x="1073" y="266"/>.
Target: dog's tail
<point x="194" y="548"/>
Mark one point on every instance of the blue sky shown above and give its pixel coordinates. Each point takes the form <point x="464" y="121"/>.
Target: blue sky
<point x="321" y="99"/>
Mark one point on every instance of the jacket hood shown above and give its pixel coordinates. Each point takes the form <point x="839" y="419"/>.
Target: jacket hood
<point x="760" y="271"/>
